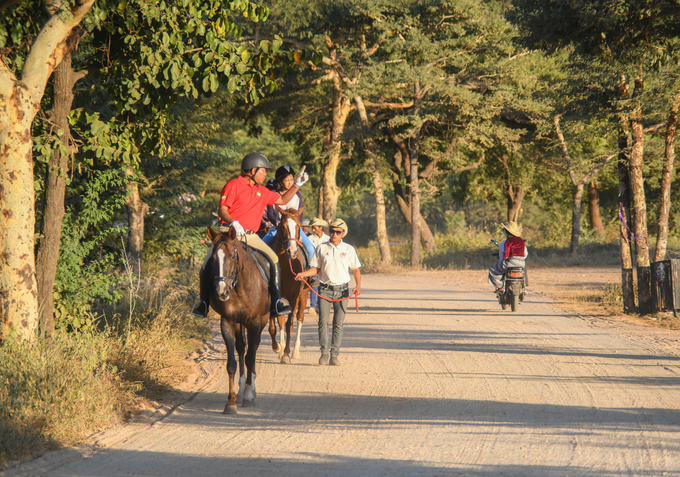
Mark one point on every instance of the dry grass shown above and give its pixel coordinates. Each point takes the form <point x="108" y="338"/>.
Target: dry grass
<point x="472" y="250"/>
<point x="56" y="392"/>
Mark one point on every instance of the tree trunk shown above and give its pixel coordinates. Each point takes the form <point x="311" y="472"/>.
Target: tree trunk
<point x="19" y="103"/>
<point x="666" y="179"/>
<point x="331" y="191"/>
<point x="644" y="281"/>
<point x="576" y="217"/>
<point x="627" y="279"/>
<point x="415" y="205"/>
<point x="426" y="237"/>
<point x="515" y="196"/>
<point x="340" y="111"/>
<point x="594" y="208"/>
<point x="136" y="212"/>
<point x="380" y="216"/>
<point x="414" y="149"/>
<point x="319" y="208"/>
<point x="18" y="287"/>
<point x="50" y="238"/>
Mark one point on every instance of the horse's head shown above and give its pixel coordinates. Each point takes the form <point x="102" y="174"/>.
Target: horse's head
<point x="224" y="262"/>
<point x="288" y="232"/>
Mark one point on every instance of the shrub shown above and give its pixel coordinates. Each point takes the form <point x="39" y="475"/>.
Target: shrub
<point x="55" y="392"/>
<point x="59" y="390"/>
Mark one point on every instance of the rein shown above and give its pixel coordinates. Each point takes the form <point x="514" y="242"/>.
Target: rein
<point x="284" y="249"/>
<point x="354" y="293"/>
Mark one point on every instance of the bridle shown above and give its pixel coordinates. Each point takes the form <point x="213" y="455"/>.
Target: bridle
<point x="284" y="242"/>
<point x="222" y="279"/>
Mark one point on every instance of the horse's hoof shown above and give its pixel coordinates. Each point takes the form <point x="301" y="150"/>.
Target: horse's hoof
<point x="250" y="403"/>
<point x="276" y="350"/>
<point x="285" y="359"/>
<point x="296" y="354"/>
<point x="230" y="409"/>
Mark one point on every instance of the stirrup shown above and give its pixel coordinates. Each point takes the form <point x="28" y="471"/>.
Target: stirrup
<point x="200" y="309"/>
<point x="282" y="307"/>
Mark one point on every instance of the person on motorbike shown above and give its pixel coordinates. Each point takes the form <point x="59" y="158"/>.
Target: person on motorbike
<point x="285" y="176"/>
<point x="242" y="202"/>
<point x="512" y="252"/>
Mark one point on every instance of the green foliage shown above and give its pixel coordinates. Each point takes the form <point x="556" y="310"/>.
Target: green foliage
<point x="85" y="271"/>
<point x="643" y="31"/>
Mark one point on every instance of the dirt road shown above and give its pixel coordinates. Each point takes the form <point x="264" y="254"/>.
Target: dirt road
<point x="435" y="380"/>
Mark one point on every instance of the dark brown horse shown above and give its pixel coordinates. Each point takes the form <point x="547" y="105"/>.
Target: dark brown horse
<point x="289" y="249"/>
<point x="240" y="296"/>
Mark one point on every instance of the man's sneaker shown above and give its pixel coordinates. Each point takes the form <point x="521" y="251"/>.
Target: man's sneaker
<point x="324" y="359"/>
<point x="283" y="307"/>
<point x="200" y="309"/>
<point x="334" y="361"/>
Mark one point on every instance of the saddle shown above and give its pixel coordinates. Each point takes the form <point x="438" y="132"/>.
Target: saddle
<point x="305" y="258"/>
<point x="263" y="264"/>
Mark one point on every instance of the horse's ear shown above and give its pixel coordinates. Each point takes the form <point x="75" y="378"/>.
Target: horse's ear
<point x="280" y="210"/>
<point x="232" y="233"/>
<point x="299" y="211"/>
<point x="211" y="234"/>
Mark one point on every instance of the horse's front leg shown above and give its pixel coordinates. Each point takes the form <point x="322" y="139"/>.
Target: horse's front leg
<point x="241" y="350"/>
<point x="272" y="333"/>
<point x="302" y="304"/>
<point x="228" y="334"/>
<point x="249" y="393"/>
<point x="282" y="326"/>
<point x="285" y="357"/>
<point x="300" y="319"/>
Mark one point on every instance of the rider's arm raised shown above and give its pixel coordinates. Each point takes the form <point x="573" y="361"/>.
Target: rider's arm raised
<point x="300" y="180"/>
<point x="287" y="196"/>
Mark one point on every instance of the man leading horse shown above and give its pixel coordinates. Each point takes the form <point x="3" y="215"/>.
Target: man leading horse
<point x="241" y="205"/>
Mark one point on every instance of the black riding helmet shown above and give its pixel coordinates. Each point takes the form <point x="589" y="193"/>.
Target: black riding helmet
<point x="255" y="159"/>
<point x="283" y="172"/>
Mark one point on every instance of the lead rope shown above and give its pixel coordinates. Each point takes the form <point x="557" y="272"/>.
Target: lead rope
<point x="354" y="293"/>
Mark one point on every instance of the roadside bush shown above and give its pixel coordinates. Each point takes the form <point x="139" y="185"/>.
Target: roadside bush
<point x="57" y="391"/>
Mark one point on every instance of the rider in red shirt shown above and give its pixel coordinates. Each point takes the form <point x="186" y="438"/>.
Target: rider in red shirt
<point x="242" y="203"/>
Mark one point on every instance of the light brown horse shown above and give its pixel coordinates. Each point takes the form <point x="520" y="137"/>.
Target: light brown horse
<point x="289" y="249"/>
<point x="240" y="296"/>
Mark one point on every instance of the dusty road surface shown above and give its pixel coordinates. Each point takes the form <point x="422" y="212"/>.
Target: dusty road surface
<point x="435" y="380"/>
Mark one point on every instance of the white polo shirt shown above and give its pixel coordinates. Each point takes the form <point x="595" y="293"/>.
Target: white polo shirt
<point x="317" y="240"/>
<point x="334" y="263"/>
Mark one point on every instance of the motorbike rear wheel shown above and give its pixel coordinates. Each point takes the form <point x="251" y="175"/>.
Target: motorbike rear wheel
<point x="515" y="302"/>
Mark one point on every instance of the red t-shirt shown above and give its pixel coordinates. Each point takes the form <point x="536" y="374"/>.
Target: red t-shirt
<point x="514" y="247"/>
<point x="247" y="202"/>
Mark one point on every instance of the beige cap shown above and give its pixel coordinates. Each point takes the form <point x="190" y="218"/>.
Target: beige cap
<point x="340" y="224"/>
<point x="319" y="222"/>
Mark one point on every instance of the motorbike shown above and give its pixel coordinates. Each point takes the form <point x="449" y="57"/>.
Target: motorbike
<point x="514" y="290"/>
